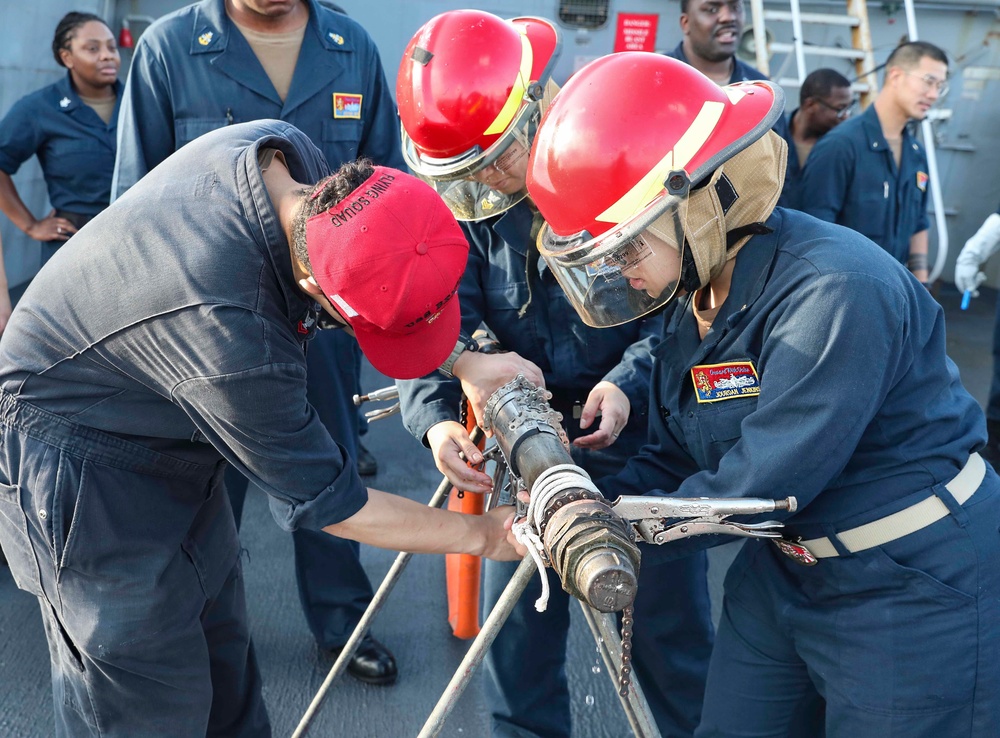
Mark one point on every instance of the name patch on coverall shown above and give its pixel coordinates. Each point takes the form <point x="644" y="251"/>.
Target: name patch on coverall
<point x="715" y="382"/>
<point x="346" y="106"/>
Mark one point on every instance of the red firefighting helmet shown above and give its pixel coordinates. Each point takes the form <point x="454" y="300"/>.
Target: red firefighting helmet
<point x="469" y="86"/>
<point x="611" y="174"/>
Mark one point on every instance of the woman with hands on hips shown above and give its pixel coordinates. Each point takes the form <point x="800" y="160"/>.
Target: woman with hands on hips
<point x="70" y="126"/>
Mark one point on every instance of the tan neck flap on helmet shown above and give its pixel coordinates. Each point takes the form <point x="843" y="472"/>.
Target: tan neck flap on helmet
<point x="756" y="174"/>
<point x="551" y="88"/>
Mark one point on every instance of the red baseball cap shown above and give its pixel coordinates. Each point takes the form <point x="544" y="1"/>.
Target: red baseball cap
<point x="389" y="258"/>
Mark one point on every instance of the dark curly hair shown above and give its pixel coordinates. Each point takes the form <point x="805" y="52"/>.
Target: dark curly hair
<point x="66" y="30"/>
<point x="325" y="195"/>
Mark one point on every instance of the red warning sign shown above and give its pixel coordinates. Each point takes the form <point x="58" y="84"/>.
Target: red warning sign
<point x="636" y="32"/>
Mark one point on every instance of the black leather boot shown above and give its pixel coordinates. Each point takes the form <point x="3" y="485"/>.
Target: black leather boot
<point x="366" y="464"/>
<point x="373" y="663"/>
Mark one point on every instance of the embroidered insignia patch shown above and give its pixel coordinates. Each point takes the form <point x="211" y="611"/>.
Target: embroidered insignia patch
<point x="715" y="382"/>
<point x="206" y="38"/>
<point x="64" y="103"/>
<point x="922" y="181"/>
<point x="337" y="39"/>
<point x="346" y="105"/>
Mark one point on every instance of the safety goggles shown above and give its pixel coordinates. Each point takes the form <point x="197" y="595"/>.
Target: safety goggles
<point x="461" y="180"/>
<point x="627" y="271"/>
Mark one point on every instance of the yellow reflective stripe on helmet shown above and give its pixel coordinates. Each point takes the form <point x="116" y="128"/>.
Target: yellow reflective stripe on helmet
<point x="647" y="188"/>
<point x="734" y="94"/>
<point x="510" y="108"/>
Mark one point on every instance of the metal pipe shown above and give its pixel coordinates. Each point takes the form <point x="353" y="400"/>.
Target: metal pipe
<point x="378" y="600"/>
<point x="812" y="18"/>
<point x="477" y="651"/>
<point x="589" y="546"/>
<point x="609" y="645"/>
<point x="970" y="6"/>
<point x="593" y="552"/>
<point x="603" y="627"/>
<point x="760" y="37"/>
<point x="801" y="51"/>
<point x="940" y="219"/>
<point x="800" y="58"/>
<point x="927" y="129"/>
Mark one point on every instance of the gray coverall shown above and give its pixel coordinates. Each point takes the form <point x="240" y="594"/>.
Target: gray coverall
<point x="167" y="336"/>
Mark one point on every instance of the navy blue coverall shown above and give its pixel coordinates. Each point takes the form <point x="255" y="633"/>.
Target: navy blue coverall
<point x="507" y="287"/>
<point x="194" y="72"/>
<point x="139" y="361"/>
<point x="851" y="179"/>
<point x="75" y="148"/>
<point x="791" y="190"/>
<point x="858" y="412"/>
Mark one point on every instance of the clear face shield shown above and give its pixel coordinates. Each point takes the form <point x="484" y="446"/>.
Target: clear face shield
<point x="626" y="272"/>
<point x="479" y="184"/>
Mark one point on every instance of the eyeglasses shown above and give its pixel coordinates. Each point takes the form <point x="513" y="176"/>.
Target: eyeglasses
<point x="932" y="83"/>
<point x="843" y="112"/>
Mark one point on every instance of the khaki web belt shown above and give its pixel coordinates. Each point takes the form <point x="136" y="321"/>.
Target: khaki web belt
<point x="906" y="521"/>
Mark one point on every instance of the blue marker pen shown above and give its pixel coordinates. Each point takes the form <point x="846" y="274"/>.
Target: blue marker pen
<point x="966" y="299"/>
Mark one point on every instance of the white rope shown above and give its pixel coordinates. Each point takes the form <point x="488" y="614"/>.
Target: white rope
<point x="549" y="483"/>
<point x="530" y="540"/>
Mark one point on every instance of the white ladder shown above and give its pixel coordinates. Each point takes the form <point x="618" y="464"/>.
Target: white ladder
<point x="927" y="133"/>
<point x="866" y="84"/>
<point x="856" y="18"/>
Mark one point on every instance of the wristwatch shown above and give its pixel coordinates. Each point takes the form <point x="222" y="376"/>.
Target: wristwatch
<point x="464" y="343"/>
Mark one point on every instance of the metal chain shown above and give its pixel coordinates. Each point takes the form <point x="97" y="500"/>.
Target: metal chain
<point x="625" y="677"/>
<point x="558" y="502"/>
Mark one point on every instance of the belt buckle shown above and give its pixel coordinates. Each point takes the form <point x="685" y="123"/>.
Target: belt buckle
<point x="795" y="551"/>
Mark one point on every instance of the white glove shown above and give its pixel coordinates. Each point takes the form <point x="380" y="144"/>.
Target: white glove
<point x="977" y="250"/>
